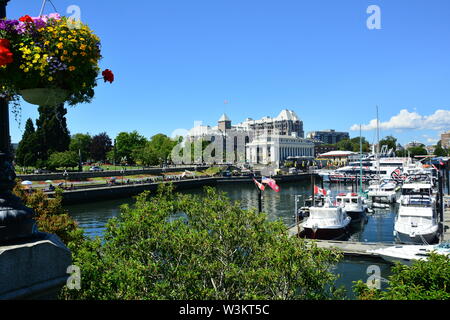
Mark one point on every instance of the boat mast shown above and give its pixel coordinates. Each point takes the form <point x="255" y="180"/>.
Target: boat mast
<point x="360" y="162"/>
<point x="378" y="146"/>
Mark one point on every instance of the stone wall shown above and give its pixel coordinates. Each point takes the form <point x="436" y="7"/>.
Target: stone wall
<point x="33" y="269"/>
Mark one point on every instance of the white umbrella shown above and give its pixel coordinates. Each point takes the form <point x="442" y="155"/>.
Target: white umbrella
<point x="27" y="183"/>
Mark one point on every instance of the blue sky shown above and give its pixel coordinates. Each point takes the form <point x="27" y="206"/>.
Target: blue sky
<point x="176" y="61"/>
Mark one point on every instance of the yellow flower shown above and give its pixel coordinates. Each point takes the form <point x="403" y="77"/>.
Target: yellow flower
<point x="83" y="47"/>
<point x="50" y="78"/>
<point x="72" y="68"/>
<point x="65" y="52"/>
<point x="75" y="53"/>
<point x="59" y="45"/>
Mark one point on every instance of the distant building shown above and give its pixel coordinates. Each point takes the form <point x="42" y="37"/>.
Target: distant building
<point x="328" y="136"/>
<point x="275" y="149"/>
<point x="445" y="140"/>
<point x="323" y="148"/>
<point x="267" y="141"/>
<point x="430" y="149"/>
<point x="414" y="144"/>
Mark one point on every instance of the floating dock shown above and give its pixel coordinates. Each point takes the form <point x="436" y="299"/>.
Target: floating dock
<point x="348" y="248"/>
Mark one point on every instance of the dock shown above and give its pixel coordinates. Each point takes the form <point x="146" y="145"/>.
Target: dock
<point x="446" y="222"/>
<point x="348" y="248"/>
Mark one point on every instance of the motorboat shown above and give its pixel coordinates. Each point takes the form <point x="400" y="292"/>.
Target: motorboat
<point x="384" y="192"/>
<point x="325" y="222"/>
<point x="417" y="221"/>
<point x="407" y="254"/>
<point x="354" y="205"/>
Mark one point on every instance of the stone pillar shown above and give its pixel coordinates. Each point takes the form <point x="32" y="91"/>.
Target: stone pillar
<point x="33" y="269"/>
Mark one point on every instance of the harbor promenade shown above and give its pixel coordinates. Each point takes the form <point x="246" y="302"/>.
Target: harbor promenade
<point x="128" y="190"/>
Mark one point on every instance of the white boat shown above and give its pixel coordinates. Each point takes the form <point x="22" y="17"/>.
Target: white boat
<point x="417" y="220"/>
<point x="407" y="254"/>
<point x="384" y="192"/>
<point x="354" y="205"/>
<point x="326" y="222"/>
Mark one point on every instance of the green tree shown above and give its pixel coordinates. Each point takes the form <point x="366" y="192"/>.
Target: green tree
<point x="156" y="151"/>
<point x="27" y="151"/>
<point x="67" y="159"/>
<point x="127" y="143"/>
<point x="179" y="246"/>
<point x="439" y="151"/>
<point x="424" y="280"/>
<point x="52" y="133"/>
<point x="81" y="142"/>
<point x="101" y="144"/>
<point x="417" y="151"/>
<point x="390" y="142"/>
<point x="344" y="145"/>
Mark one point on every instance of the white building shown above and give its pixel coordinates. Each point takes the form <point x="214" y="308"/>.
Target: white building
<point x="265" y="141"/>
<point x="275" y="149"/>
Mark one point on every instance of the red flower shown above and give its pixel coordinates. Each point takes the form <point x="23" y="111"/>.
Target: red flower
<point x="108" y="75"/>
<point x="26" y="18"/>
<point x="6" y="56"/>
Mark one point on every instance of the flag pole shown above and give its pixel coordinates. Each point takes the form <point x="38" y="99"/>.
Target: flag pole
<point x="259" y="200"/>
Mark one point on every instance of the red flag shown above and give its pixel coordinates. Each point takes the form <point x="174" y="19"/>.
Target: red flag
<point x="260" y="185"/>
<point x="318" y="190"/>
<point x="272" y="183"/>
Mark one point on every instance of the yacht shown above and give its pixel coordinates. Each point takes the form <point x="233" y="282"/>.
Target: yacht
<point x="386" y="191"/>
<point x="417" y="221"/>
<point x="354" y="205"/>
<point x="325" y="222"/>
<point x="407" y="254"/>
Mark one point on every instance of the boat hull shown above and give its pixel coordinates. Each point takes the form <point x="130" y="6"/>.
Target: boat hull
<point x="324" y="234"/>
<point x="427" y="238"/>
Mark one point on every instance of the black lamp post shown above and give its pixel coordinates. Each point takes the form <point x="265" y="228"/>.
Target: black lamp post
<point x="16" y="220"/>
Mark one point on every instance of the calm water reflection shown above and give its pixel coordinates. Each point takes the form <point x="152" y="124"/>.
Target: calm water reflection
<point x="92" y="217"/>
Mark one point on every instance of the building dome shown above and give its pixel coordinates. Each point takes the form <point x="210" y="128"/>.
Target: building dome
<point x="287" y="115"/>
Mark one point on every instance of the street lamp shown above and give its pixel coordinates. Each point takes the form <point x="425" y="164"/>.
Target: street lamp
<point x="16" y="220"/>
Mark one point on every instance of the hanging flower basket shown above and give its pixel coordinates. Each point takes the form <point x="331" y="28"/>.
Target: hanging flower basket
<point x="49" y="60"/>
<point x="44" y="96"/>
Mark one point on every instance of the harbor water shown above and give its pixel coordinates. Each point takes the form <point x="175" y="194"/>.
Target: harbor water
<point x="379" y="226"/>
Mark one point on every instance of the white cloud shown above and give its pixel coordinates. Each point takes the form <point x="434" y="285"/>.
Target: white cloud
<point x="440" y="120"/>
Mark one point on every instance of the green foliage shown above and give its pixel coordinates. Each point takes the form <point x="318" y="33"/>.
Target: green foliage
<point x="81" y="143"/>
<point x="27" y="151"/>
<point x="417" y="151"/>
<point x="390" y="142"/>
<point x="51" y="217"/>
<point x="52" y="133"/>
<point x="156" y="151"/>
<point x="353" y="145"/>
<point x="101" y="145"/>
<point x="67" y="159"/>
<point x="440" y="152"/>
<point x="126" y="145"/>
<point x="424" y="280"/>
<point x="175" y="246"/>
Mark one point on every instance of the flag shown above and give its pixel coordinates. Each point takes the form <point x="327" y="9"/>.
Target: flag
<point x="272" y="183"/>
<point x="260" y="185"/>
<point x="318" y="190"/>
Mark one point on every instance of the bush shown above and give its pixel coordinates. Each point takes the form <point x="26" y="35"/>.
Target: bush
<point x="424" y="280"/>
<point x="174" y="246"/>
